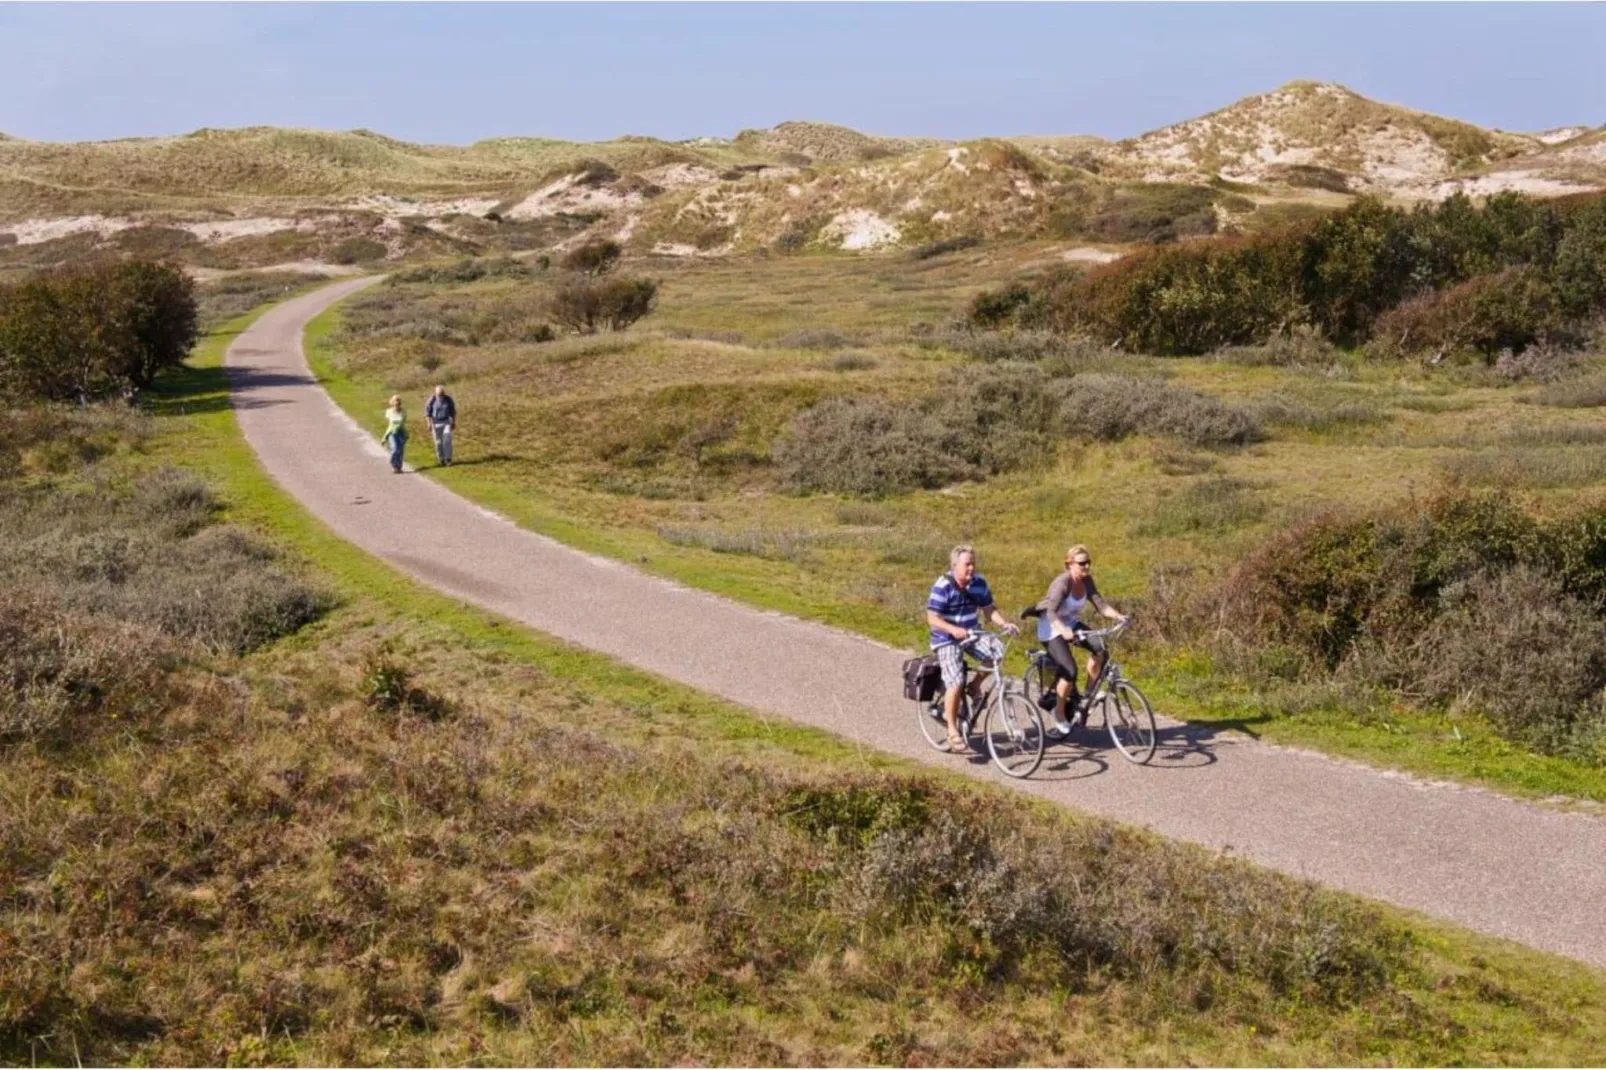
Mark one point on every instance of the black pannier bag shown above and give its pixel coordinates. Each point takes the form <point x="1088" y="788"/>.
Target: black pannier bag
<point x="922" y="678"/>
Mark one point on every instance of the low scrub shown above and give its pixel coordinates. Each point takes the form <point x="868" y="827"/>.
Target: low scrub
<point x="1584" y="392"/>
<point x="153" y="558"/>
<point x="234" y="295"/>
<point x="1012" y="416"/>
<point x="468" y="269"/>
<point x="1426" y="598"/>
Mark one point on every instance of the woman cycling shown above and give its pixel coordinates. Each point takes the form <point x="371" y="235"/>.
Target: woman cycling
<point x="1060" y="625"/>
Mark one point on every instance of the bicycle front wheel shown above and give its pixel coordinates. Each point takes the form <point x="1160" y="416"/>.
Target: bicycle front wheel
<point x="1014" y="733"/>
<point x="1130" y="719"/>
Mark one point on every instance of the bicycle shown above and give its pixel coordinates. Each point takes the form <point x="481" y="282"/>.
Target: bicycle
<point x="1010" y="725"/>
<point x="1128" y="717"/>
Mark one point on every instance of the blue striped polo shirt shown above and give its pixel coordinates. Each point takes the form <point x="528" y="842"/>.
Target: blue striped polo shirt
<point x="956" y="605"/>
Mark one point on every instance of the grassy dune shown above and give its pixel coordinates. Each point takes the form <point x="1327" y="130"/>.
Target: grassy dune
<point x="654" y="446"/>
<point x="410" y="832"/>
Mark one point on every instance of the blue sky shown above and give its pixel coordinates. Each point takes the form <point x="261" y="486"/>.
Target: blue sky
<point x="457" y="73"/>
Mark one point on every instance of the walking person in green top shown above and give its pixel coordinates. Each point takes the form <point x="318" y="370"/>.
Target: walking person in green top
<point x="395" y="436"/>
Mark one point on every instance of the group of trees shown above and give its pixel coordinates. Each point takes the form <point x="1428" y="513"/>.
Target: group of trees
<point x="94" y="331"/>
<point x="1440" y="277"/>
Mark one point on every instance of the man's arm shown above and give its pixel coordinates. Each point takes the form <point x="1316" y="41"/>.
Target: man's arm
<point x="1002" y="621"/>
<point x="946" y="627"/>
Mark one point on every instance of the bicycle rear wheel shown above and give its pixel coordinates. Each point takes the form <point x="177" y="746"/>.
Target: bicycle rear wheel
<point x="1130" y="719"/>
<point x="1014" y="733"/>
<point x="932" y="726"/>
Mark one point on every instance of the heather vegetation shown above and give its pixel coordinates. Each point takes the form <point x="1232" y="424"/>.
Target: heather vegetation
<point x="730" y="442"/>
<point x="1441" y="279"/>
<point x="359" y="844"/>
<point x="1465" y="599"/>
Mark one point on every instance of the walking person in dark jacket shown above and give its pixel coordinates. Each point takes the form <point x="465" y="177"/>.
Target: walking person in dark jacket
<point x="440" y="412"/>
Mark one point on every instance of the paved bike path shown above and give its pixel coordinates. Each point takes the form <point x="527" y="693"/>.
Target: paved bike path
<point x="1528" y="872"/>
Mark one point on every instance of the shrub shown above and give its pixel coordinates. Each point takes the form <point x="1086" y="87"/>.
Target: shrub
<point x="1516" y="645"/>
<point x="62" y="674"/>
<point x="1587" y="392"/>
<point x="1508" y="310"/>
<point x="815" y="338"/>
<point x="91" y="332"/>
<point x="1339" y="273"/>
<point x="234" y="295"/>
<point x="357" y="250"/>
<point x="592" y="258"/>
<point x="1462" y="597"/>
<point x="586" y="305"/>
<point x="941" y="248"/>
<point x="1113" y="407"/>
<point x="1006" y="417"/>
<point x="468" y="269"/>
<point x="1154" y="212"/>
<point x="992" y="308"/>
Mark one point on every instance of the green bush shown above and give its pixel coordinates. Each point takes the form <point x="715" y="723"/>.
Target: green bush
<point x="1463" y="598"/>
<point x="91" y="332"/>
<point x="1154" y="212"/>
<point x="1339" y="274"/>
<point x="1507" y="310"/>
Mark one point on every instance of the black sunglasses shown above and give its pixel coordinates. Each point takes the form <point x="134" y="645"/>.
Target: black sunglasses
<point x="1085" y="563"/>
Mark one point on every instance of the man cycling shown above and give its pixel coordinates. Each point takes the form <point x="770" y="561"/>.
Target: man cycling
<point x="958" y="600"/>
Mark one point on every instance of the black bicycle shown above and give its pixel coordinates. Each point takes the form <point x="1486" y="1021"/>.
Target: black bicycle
<point x="1127" y="714"/>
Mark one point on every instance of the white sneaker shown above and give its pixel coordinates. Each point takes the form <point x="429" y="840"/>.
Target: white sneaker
<point x="1059" y="730"/>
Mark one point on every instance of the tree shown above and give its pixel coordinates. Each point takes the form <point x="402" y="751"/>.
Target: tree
<point x="586" y="305"/>
<point x="90" y="332"/>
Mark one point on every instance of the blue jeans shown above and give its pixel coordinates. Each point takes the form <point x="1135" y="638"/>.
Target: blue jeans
<point x="398" y="445"/>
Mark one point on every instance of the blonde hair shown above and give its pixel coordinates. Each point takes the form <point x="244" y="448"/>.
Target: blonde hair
<point x="1076" y="551"/>
<point x="960" y="551"/>
<point x="395" y="401"/>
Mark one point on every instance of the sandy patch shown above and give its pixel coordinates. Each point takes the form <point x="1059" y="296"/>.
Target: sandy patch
<point x="34" y="231"/>
<point x="401" y="207"/>
<point x="302" y="267"/>
<point x="1501" y="182"/>
<point x="674" y="248"/>
<point x="859" y="228"/>
<point x="1557" y="136"/>
<point x="228" y="229"/>
<point x="956" y="160"/>
<point x="566" y="195"/>
<point x="1088" y="255"/>
<point x="680" y="175"/>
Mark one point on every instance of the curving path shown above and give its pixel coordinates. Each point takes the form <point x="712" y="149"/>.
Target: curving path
<point x="1527" y="872"/>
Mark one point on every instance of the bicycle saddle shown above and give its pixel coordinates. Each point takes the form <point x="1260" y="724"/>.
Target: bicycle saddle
<point x="1030" y="612"/>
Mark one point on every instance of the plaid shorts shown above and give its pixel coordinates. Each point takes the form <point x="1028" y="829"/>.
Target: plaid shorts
<point x="952" y="661"/>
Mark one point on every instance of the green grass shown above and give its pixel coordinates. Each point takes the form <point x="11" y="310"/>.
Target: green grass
<point x="533" y="418"/>
<point x="1464" y="998"/>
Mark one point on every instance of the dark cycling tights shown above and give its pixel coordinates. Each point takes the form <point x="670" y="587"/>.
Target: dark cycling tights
<point x="1060" y="651"/>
